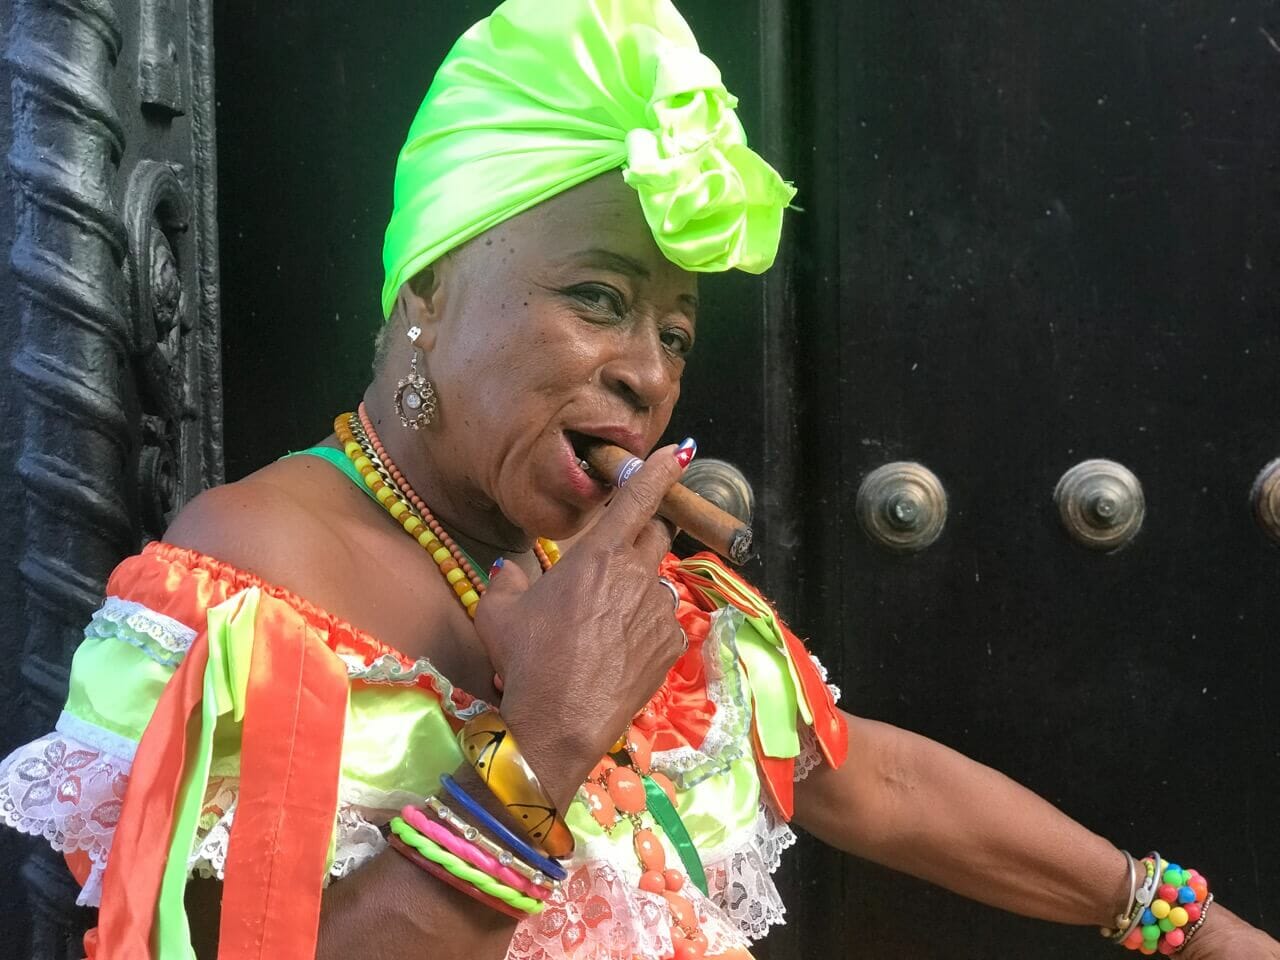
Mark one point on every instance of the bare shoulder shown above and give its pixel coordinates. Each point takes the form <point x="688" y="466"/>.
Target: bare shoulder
<point x="278" y="530"/>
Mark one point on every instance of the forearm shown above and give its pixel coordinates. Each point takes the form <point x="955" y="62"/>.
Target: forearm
<point x="919" y="807"/>
<point x="391" y="910"/>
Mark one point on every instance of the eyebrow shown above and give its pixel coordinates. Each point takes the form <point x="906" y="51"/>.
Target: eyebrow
<point x="609" y="260"/>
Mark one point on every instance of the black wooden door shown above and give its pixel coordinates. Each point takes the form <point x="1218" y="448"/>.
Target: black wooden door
<point x="1033" y="234"/>
<point x="1040" y="233"/>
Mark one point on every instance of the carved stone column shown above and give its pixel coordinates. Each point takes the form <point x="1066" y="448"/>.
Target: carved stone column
<point x="112" y="338"/>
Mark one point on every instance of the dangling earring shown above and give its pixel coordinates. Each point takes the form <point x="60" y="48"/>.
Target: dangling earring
<point x="415" y="395"/>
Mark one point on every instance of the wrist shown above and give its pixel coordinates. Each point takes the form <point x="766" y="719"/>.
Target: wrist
<point x="558" y="756"/>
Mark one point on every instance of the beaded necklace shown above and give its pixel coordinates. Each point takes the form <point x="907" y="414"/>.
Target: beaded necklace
<point x="365" y="450"/>
<point x="616" y="790"/>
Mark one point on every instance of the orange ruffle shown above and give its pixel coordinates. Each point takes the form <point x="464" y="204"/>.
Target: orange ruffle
<point x="183" y="584"/>
<point x="685" y="712"/>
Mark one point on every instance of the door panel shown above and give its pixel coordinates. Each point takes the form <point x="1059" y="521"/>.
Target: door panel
<point x="1039" y="234"/>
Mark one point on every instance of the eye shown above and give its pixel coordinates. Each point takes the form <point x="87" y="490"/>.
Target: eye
<point x="600" y="298"/>
<point x="677" y="340"/>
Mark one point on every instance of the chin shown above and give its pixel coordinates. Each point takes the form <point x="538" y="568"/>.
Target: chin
<point x="560" y="524"/>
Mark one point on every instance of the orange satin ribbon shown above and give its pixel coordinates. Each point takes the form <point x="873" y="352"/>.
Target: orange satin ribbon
<point x="295" y="709"/>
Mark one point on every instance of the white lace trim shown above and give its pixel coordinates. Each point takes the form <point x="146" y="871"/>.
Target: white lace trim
<point x="741" y="881"/>
<point x="600" y="914"/>
<point x="387" y="669"/>
<point x="744" y="903"/>
<point x="161" y="638"/>
<point x="68" y="785"/>
<point x="68" y="792"/>
<point x="92" y="735"/>
<point x="822" y="672"/>
<point x="728" y="737"/>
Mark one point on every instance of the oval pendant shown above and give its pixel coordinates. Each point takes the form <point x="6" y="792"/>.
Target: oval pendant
<point x="626" y="790"/>
<point x="649" y="850"/>
<point x="640" y="750"/>
<point x="602" y="809"/>
<point x="669" y="788"/>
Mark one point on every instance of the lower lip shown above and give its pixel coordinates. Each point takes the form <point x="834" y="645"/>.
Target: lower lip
<point x="584" y="485"/>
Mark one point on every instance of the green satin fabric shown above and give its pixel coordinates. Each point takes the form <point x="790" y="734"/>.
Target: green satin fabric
<point x="226" y="677"/>
<point x="665" y="815"/>
<point x="115" y="686"/>
<point x="773" y="692"/>
<point x="397" y="740"/>
<point x="539" y="97"/>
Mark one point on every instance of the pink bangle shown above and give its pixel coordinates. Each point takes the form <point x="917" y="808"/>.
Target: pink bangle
<point x="470" y="853"/>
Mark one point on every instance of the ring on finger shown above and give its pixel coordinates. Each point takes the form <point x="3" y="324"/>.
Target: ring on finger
<point x="675" y="594"/>
<point x="684" y="642"/>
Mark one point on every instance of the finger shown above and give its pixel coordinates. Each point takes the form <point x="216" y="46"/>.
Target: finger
<point x="654" y="542"/>
<point x="507" y="582"/>
<point x="634" y="505"/>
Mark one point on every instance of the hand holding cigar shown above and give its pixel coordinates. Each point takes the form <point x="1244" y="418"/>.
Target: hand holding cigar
<point x="701" y="519"/>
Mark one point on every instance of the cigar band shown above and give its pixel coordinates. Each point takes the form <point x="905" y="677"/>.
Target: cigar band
<point x="626" y="471"/>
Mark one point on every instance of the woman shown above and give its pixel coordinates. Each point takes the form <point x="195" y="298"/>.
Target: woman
<point x="311" y="639"/>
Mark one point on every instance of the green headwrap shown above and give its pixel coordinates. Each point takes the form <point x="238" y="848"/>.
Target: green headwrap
<point x="545" y="94"/>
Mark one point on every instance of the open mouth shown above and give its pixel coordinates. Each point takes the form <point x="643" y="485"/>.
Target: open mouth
<point x="582" y="443"/>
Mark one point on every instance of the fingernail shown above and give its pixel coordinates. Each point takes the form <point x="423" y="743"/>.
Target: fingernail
<point x="497" y="567"/>
<point x="685" y="452"/>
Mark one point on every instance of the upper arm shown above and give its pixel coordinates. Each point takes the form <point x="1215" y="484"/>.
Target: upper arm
<point x="851" y="808"/>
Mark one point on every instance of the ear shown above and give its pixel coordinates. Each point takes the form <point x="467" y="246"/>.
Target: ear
<point x="421" y="303"/>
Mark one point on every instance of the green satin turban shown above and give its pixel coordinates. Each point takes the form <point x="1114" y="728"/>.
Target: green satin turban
<point x="545" y="94"/>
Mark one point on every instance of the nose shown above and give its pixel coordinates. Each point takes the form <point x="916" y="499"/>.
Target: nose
<point x="641" y="373"/>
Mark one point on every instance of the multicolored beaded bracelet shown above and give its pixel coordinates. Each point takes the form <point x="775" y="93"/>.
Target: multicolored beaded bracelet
<point x="463" y="870"/>
<point x="1174" y="912"/>
<point x="495" y="826"/>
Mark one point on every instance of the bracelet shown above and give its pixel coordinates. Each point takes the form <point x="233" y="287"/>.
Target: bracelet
<point x="499" y="830"/>
<point x="1152" y="864"/>
<point x="438" y="833"/>
<point x="463" y="870"/>
<point x="1204" y="912"/>
<point x="491" y="749"/>
<point x="501" y="854"/>
<point x="440" y="873"/>
<point x="1179" y="901"/>
<point x="1126" y="917"/>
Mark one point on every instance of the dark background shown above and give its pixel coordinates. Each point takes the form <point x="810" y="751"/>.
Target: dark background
<point x="1032" y="234"/>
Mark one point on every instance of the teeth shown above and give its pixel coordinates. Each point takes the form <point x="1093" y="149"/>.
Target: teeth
<point x="586" y="467"/>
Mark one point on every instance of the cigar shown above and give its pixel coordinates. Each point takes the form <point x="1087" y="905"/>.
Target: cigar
<point x="701" y="519"/>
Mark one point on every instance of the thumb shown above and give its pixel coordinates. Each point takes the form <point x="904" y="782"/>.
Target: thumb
<point x="507" y="583"/>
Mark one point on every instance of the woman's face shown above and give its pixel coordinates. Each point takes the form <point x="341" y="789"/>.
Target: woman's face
<point x="561" y="324"/>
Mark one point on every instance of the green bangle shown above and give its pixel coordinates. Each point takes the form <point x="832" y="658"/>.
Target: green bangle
<point x="463" y="870"/>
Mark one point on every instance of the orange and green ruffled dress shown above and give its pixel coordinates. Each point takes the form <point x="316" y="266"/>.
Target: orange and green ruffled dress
<point x="218" y="725"/>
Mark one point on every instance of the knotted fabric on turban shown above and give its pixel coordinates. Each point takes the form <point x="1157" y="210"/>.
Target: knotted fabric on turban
<point x="545" y="94"/>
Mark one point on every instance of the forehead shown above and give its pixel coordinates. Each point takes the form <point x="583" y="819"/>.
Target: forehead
<point x="602" y="214"/>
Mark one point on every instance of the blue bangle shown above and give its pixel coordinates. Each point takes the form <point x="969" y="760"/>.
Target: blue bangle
<point x="494" y="826"/>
